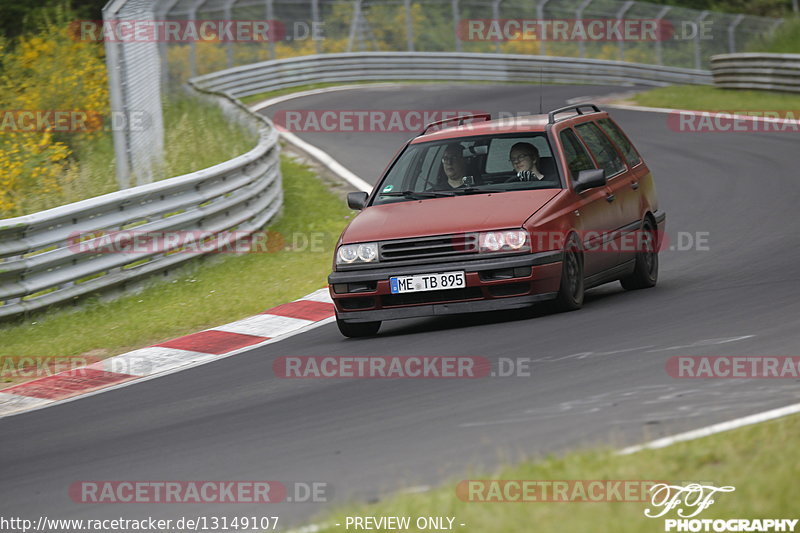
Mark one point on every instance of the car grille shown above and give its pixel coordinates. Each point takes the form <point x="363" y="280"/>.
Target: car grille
<point x="450" y="295"/>
<point x="439" y="246"/>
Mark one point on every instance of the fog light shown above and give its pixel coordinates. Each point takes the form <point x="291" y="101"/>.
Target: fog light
<point x="522" y="272"/>
<point x="362" y="287"/>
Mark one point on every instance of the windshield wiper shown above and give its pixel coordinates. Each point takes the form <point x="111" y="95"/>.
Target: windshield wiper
<point x="416" y="195"/>
<point x="478" y="190"/>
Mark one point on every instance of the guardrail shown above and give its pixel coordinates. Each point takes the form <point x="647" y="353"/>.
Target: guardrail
<point x="40" y="258"/>
<point x="444" y="66"/>
<point x="771" y="72"/>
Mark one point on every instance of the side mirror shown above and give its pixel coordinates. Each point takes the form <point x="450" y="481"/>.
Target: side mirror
<point x="357" y="200"/>
<point x="589" y="179"/>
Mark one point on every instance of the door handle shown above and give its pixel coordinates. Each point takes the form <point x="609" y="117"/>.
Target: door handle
<point x="610" y="198"/>
<point x="635" y="185"/>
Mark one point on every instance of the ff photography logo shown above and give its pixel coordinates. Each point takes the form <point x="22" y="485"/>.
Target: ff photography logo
<point x="692" y="499"/>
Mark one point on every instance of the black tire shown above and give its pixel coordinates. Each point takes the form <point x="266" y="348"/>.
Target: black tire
<point x="358" y="329"/>
<point x="645" y="273"/>
<point x="571" y="289"/>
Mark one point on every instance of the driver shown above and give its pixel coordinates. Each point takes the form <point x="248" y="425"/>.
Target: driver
<point x="525" y="160"/>
<point x="454" y="165"/>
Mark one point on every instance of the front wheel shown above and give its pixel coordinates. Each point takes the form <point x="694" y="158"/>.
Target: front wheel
<point x="571" y="290"/>
<point x="358" y="329"/>
<point x="645" y="272"/>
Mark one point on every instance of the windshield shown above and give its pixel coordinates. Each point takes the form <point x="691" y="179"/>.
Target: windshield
<point x="471" y="165"/>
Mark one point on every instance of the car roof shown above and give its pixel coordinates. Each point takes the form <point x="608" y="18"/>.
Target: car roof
<point x="521" y="124"/>
<point x="527" y="124"/>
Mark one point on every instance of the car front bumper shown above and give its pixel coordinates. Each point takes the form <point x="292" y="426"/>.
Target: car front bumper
<point x="498" y="283"/>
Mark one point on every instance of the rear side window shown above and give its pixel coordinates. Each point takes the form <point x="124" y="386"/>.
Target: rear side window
<point x="577" y="158"/>
<point x="613" y="131"/>
<point x="602" y="149"/>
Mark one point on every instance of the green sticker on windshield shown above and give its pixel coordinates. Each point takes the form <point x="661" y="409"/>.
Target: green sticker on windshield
<point x="388" y="188"/>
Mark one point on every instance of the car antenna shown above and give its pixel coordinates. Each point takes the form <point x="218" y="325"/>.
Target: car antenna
<point x="540" y="90"/>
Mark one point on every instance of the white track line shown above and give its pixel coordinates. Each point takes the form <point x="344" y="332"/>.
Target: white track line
<point x="717" y="114"/>
<point x="668" y="110"/>
<point x="714" y="429"/>
<point x="327" y="161"/>
<point x="659" y="443"/>
<point x="291" y="96"/>
<point x="323" y="157"/>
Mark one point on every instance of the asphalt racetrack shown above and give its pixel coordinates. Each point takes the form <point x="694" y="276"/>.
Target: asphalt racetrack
<point x="597" y="375"/>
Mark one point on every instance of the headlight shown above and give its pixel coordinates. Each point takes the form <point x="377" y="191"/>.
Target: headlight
<point x="366" y="252"/>
<point x="504" y="241"/>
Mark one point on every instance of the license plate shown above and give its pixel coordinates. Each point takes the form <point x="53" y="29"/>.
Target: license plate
<point x="428" y="282"/>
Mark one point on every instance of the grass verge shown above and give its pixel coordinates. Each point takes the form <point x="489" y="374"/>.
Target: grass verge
<point x="706" y="98"/>
<point x="760" y="461"/>
<point x="188" y="123"/>
<point x="207" y="293"/>
<point x="785" y="40"/>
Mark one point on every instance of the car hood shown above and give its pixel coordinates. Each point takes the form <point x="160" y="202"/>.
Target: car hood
<point x="442" y="216"/>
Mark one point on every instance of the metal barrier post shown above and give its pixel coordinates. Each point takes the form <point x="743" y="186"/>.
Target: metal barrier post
<point x="122" y="155"/>
<point x="732" y="33"/>
<point x="540" y="16"/>
<point x="457" y="24"/>
<point x="659" y="46"/>
<point x="578" y="15"/>
<point x="315" y="23"/>
<point x="134" y="69"/>
<point x="354" y="24"/>
<point x="698" y="59"/>
<point x="271" y="18"/>
<point x="409" y="26"/>
<point x="192" y="47"/>
<point x="620" y="15"/>
<point x="162" y="46"/>
<point x="496" y="16"/>
<point x="229" y="44"/>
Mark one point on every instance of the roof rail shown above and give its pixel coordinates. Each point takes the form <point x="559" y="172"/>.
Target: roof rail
<point x="551" y="116"/>
<point x="461" y="119"/>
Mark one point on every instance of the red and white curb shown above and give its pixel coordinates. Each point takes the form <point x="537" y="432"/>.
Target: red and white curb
<point x="199" y="348"/>
<point x="171" y="356"/>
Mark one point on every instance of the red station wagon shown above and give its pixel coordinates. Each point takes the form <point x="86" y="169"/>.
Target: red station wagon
<point x="498" y="214"/>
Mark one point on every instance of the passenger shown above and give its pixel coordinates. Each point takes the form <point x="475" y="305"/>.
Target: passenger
<point x="525" y="160"/>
